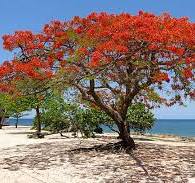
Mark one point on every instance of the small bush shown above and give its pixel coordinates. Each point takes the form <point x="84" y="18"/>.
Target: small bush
<point x="140" y="118"/>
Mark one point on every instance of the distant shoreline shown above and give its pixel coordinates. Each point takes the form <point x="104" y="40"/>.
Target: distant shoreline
<point x="175" y="127"/>
<point x="151" y="136"/>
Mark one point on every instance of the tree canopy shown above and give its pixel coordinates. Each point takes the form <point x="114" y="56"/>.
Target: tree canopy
<point x="113" y="60"/>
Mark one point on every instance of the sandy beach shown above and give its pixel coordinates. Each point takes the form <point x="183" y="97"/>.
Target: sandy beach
<point x="55" y="159"/>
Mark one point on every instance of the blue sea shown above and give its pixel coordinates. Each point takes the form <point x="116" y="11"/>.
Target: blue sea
<point x="180" y="127"/>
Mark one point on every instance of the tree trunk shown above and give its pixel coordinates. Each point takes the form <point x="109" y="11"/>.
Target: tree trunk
<point x="125" y="136"/>
<point x="38" y="133"/>
<point x="17" y="122"/>
<point x="38" y="120"/>
<point x="1" y="122"/>
<point x="128" y="128"/>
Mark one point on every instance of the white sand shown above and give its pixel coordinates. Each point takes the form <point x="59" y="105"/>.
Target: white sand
<point x="11" y="136"/>
<point x="13" y="155"/>
<point x="11" y="139"/>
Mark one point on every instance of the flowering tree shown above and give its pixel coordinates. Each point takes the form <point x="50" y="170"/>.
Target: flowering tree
<point x="117" y="60"/>
<point x="29" y="73"/>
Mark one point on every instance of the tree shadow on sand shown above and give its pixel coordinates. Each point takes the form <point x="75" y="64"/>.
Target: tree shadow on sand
<point x="44" y="155"/>
<point x="117" y="147"/>
<point x="148" y="160"/>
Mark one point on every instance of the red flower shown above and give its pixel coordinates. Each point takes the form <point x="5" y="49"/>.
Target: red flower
<point x="187" y="73"/>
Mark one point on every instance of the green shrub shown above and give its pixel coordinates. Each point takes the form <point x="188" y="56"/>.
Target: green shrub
<point x="88" y="120"/>
<point x="140" y="118"/>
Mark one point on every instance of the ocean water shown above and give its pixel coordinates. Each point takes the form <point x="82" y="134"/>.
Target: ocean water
<point x="181" y="127"/>
<point x="22" y="122"/>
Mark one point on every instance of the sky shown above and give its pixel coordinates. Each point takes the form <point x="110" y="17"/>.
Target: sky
<point x="33" y="14"/>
